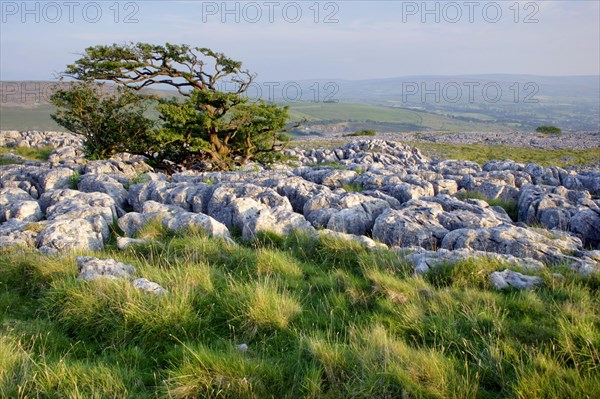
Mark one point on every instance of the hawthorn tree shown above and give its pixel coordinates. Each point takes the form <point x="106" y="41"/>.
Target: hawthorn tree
<point x="215" y="123"/>
<point x="111" y="121"/>
<point x="548" y="130"/>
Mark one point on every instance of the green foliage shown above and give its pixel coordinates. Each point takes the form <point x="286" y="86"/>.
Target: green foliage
<point x="364" y="132"/>
<point x="74" y="181"/>
<point x="140" y="179"/>
<point x="111" y="122"/>
<point x="225" y="126"/>
<point x="353" y="187"/>
<point x="548" y="130"/>
<point x="210" y="128"/>
<point x="320" y="318"/>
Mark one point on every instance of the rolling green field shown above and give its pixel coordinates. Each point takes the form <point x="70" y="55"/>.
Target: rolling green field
<point x="33" y="118"/>
<point x="319" y="318"/>
<point x="392" y="119"/>
<point x="37" y="117"/>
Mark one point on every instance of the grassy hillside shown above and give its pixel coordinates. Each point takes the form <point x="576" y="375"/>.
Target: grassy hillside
<point x="391" y="119"/>
<point x="37" y="117"/>
<point x="568" y="102"/>
<point x="320" y="319"/>
<point x="24" y="113"/>
<point x="30" y="118"/>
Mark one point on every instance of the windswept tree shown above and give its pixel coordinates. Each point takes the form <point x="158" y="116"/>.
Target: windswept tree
<point x="215" y="123"/>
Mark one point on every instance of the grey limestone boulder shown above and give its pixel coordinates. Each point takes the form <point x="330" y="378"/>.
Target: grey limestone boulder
<point x="91" y="268"/>
<point x="509" y="279"/>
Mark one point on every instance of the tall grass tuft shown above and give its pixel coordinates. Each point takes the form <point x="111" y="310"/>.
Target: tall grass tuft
<point x="290" y="317"/>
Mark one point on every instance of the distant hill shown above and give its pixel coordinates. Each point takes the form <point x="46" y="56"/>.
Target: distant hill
<point x="514" y="101"/>
<point x="412" y="103"/>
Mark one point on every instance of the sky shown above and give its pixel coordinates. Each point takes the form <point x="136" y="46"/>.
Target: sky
<point x="297" y="40"/>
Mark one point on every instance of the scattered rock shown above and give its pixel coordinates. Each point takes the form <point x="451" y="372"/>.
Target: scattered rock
<point x="509" y="279"/>
<point x="125" y="242"/>
<point x="148" y="286"/>
<point x="424" y="260"/>
<point x="362" y="240"/>
<point x="91" y="268"/>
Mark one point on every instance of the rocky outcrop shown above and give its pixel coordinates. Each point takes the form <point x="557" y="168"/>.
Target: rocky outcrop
<point x="425" y="222"/>
<point x="16" y="233"/>
<point x="37" y="139"/>
<point x="511" y="240"/>
<point x="424" y="260"/>
<point x="562" y="209"/>
<point x="72" y="234"/>
<point x="251" y="209"/>
<point x="172" y="218"/>
<point x="351" y="213"/>
<point x="379" y="193"/>
<point x="414" y="224"/>
<point x="92" y="183"/>
<point x="18" y="205"/>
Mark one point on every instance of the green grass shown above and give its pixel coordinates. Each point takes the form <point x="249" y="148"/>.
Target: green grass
<point x="33" y="117"/>
<point x="30" y="154"/>
<point x="37" y="117"/>
<point x="400" y="119"/>
<point x="74" y="181"/>
<point x="321" y="319"/>
<point x="353" y="187"/>
<point x="482" y="154"/>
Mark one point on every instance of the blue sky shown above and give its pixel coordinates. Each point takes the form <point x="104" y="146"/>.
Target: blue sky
<point x="283" y="40"/>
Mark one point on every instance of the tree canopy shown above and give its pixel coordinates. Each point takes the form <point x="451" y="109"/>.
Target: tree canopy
<point x="548" y="129"/>
<point x="213" y="123"/>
